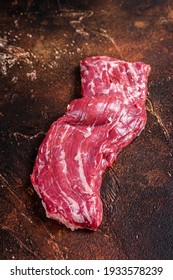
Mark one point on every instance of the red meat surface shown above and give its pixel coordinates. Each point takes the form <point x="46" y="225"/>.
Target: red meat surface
<point x="79" y="146"/>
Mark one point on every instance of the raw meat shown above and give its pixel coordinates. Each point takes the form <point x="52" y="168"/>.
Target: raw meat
<point x="79" y="146"/>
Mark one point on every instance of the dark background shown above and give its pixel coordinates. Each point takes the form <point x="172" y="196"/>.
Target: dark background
<point x="41" y="45"/>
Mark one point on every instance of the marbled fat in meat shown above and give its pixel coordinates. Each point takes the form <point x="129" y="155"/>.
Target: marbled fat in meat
<point x="79" y="146"/>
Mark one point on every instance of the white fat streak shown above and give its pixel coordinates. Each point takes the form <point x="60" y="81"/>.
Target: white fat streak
<point x="143" y="85"/>
<point x="88" y="133"/>
<point x="63" y="220"/>
<point x="136" y="93"/>
<point x="76" y="213"/>
<point x="75" y="208"/>
<point x="59" y="217"/>
<point x="116" y="87"/>
<point x="41" y="164"/>
<point x="40" y="167"/>
<point x="86" y="212"/>
<point x="113" y="64"/>
<point x="122" y="130"/>
<point x="129" y="89"/>
<point x="63" y="162"/>
<point x="67" y="126"/>
<point x="120" y="88"/>
<point x="83" y="67"/>
<point x="47" y="154"/>
<point x="78" y="158"/>
<point x="92" y="85"/>
<point x="132" y="70"/>
<point x="110" y="119"/>
<point x="106" y="91"/>
<point x="41" y="161"/>
<point x="47" y="150"/>
<point x="83" y="80"/>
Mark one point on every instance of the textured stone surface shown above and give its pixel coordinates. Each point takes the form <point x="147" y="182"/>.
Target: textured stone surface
<point x="40" y="49"/>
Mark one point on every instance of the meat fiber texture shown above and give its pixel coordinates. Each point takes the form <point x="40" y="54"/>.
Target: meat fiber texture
<point x="79" y="146"/>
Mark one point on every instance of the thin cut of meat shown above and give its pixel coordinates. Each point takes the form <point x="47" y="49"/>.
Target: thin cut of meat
<point x="79" y="146"/>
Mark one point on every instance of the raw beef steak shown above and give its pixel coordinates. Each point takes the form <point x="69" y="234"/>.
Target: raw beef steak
<point x="79" y="146"/>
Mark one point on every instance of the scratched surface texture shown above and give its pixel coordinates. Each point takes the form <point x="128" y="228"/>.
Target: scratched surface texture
<point x="41" y="44"/>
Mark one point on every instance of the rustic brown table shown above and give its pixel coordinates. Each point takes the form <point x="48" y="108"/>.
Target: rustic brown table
<point x="41" y="44"/>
